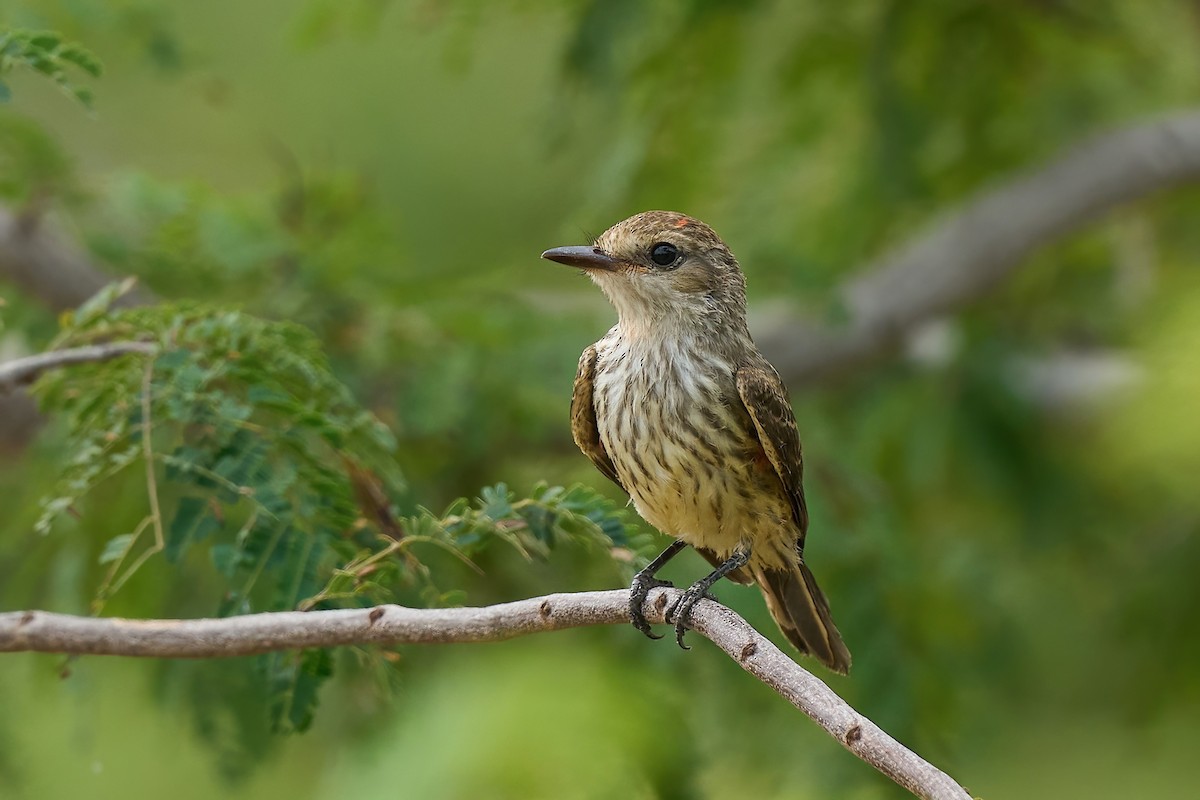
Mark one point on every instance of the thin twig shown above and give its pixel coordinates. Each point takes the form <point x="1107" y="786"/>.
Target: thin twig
<point x="40" y="631"/>
<point x="110" y="585"/>
<point x="155" y="516"/>
<point x="148" y="457"/>
<point x="21" y="371"/>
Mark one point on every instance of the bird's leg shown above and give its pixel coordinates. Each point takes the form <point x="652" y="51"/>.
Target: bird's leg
<point x="644" y="581"/>
<point x="681" y="610"/>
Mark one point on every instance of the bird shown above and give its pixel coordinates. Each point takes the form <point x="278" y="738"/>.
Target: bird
<point x="677" y="406"/>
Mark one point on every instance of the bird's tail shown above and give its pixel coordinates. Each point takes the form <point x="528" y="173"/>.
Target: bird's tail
<point x="802" y="612"/>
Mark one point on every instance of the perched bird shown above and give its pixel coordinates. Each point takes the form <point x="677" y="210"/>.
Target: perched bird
<point x="677" y="406"/>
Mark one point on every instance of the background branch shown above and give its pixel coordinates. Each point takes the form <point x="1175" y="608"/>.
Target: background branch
<point x="39" y="631"/>
<point x="22" y="371"/>
<point x="963" y="255"/>
<point x="959" y="258"/>
<point x="46" y="264"/>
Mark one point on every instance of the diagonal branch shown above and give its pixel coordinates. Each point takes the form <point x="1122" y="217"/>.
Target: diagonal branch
<point x="963" y="255"/>
<point x="40" y="631"/>
<point x="47" y="264"/>
<point x="22" y="371"/>
<point x="960" y="257"/>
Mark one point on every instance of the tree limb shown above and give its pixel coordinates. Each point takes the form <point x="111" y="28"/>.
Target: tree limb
<point x="45" y="632"/>
<point x="963" y="255"/>
<point x="46" y="264"/>
<point x="21" y="371"/>
<point x="957" y="259"/>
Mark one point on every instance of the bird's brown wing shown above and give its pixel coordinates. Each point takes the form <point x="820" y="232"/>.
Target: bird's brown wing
<point x="793" y="597"/>
<point x="583" y="417"/>
<point x="766" y="400"/>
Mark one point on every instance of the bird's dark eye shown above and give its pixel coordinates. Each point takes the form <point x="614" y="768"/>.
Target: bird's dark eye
<point x="664" y="254"/>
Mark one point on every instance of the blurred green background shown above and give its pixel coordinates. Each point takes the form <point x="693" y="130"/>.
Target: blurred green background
<point x="1015" y="570"/>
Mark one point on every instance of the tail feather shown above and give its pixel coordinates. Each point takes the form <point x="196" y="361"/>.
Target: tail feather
<point x="802" y="612"/>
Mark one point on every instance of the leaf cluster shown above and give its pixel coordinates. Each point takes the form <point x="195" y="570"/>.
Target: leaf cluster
<point x="46" y="53"/>
<point x="255" y="455"/>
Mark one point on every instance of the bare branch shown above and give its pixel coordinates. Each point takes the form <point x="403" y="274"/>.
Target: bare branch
<point x="21" y="371"/>
<point x="40" y="631"/>
<point x="962" y="256"/>
<point x="48" y="265"/>
<point x="956" y="260"/>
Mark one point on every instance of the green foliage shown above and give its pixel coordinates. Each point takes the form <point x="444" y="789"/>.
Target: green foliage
<point x="332" y="235"/>
<point x="46" y="53"/>
<point x="532" y="526"/>
<point x="251" y="431"/>
<point x="977" y="545"/>
<point x="32" y="165"/>
<point x="255" y="454"/>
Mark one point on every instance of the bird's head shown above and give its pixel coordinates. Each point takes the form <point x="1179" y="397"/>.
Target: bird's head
<point x="661" y="267"/>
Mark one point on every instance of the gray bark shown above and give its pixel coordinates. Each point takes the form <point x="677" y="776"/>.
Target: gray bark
<point x="40" y="631"/>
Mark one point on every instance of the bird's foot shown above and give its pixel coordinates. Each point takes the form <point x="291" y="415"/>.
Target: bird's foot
<point x="643" y="582"/>
<point x="680" y="612"/>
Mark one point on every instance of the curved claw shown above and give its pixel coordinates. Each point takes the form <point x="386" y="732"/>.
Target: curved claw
<point x="638" y="591"/>
<point x="681" y="610"/>
<point x="680" y="630"/>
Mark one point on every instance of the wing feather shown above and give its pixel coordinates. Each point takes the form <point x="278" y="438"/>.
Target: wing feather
<point x="766" y="400"/>
<point x="584" y="429"/>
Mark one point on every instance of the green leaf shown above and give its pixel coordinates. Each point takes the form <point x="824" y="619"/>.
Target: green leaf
<point x="45" y="40"/>
<point x="84" y="95"/>
<point x="51" y="509"/>
<point x="44" y="52"/>
<point x="99" y="304"/>
<point x="115" y="548"/>
<point x="226" y="559"/>
<point x="171" y="360"/>
<point x="540" y="521"/>
<point x="193" y="522"/>
<point x="497" y="501"/>
<point x="80" y="57"/>
<point x="239" y="468"/>
<point x="294" y="681"/>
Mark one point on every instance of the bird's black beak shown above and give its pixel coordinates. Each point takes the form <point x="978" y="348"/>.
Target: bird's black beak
<point x="590" y="258"/>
